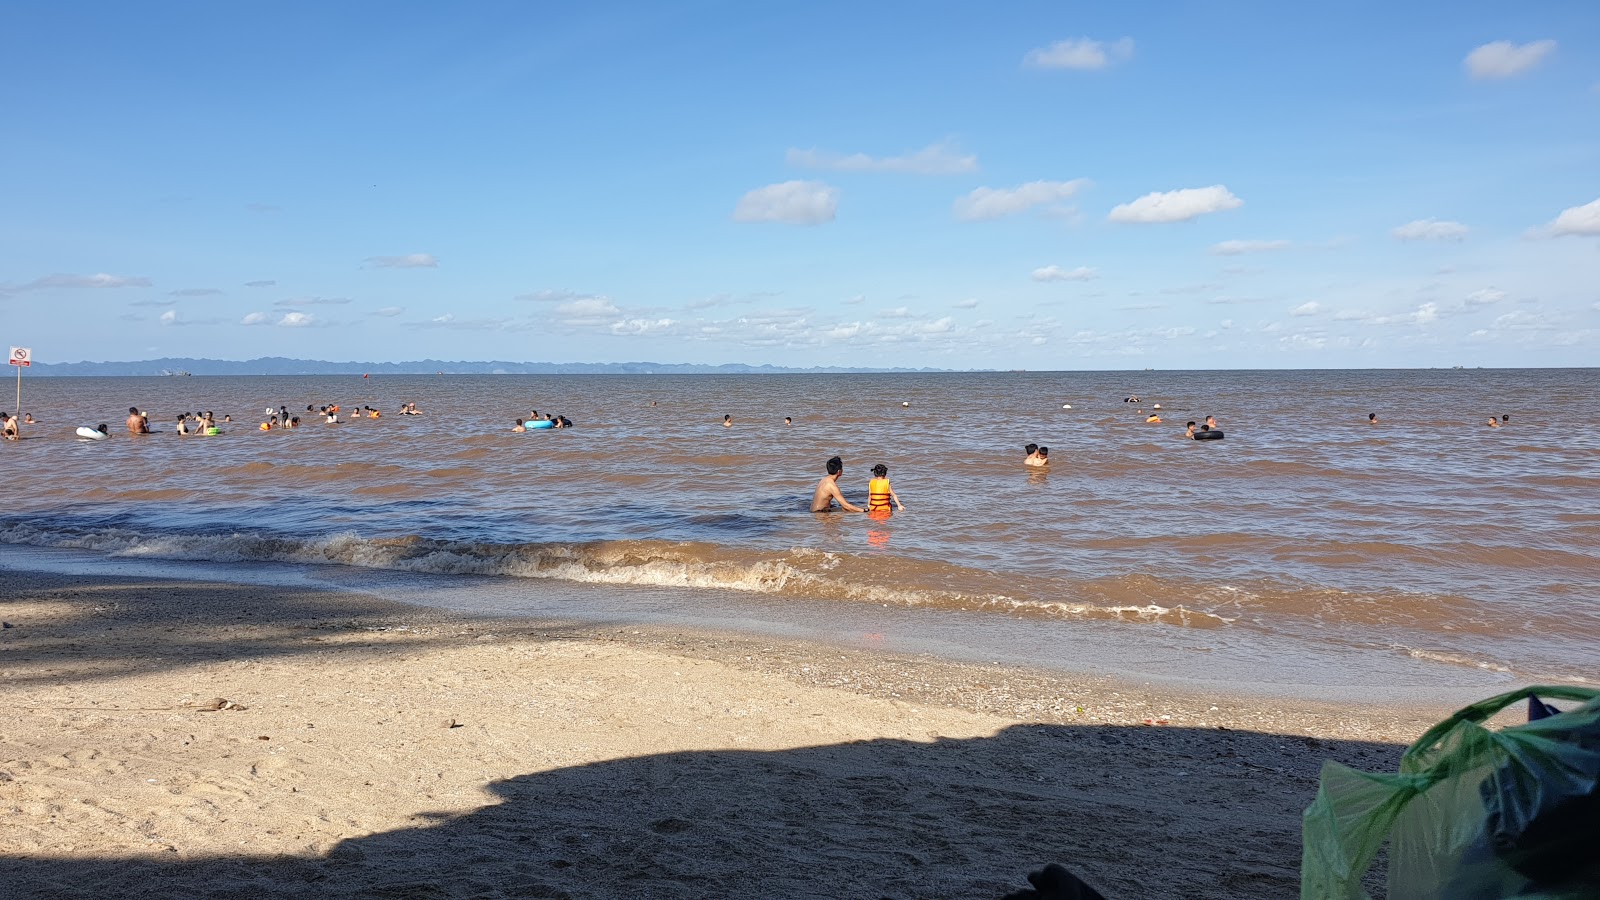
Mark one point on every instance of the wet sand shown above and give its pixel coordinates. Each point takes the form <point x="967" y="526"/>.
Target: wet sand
<point x="371" y="748"/>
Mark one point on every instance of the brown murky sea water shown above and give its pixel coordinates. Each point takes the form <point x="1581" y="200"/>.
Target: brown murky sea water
<point x="1428" y="535"/>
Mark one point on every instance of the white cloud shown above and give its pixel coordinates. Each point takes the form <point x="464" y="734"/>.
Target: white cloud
<point x="1309" y="308"/>
<point x="313" y="301"/>
<point x="642" y="326"/>
<point x="389" y="312"/>
<point x="101" y="280"/>
<point x="169" y="317"/>
<point x="1431" y="230"/>
<point x="1237" y="248"/>
<point x="555" y="296"/>
<point x="789" y="202"/>
<point x="1176" y="206"/>
<point x="255" y="318"/>
<point x="1485" y="297"/>
<point x="857" y="300"/>
<point x="969" y="303"/>
<point x="297" y="320"/>
<point x="409" y="261"/>
<point x="1079" y="53"/>
<point x="1582" y="220"/>
<point x="1056" y="273"/>
<point x="1503" y="59"/>
<point x="260" y="284"/>
<point x="899" y="312"/>
<point x="1423" y="315"/>
<point x="588" y="311"/>
<point x="938" y="159"/>
<point x="994" y="203"/>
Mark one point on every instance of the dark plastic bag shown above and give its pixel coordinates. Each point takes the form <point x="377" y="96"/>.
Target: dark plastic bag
<point x="1473" y="814"/>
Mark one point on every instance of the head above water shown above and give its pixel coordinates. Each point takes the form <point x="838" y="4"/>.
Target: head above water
<point x="835" y="466"/>
<point x="133" y="410"/>
<point x="880" y="471"/>
<point x="1044" y="452"/>
<point x="1030" y="448"/>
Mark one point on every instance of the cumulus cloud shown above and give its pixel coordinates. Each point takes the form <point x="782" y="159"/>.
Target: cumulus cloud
<point x="938" y="159"/>
<point x="1430" y="230"/>
<point x="260" y="284"/>
<point x="1422" y="315"/>
<point x="388" y="312"/>
<point x="1239" y="248"/>
<point x="642" y="326"/>
<point x="1485" y="297"/>
<point x="1079" y="53"/>
<point x="1176" y="206"/>
<point x="588" y="311"/>
<point x="1503" y="59"/>
<point x="409" y="261"/>
<point x="1056" y="273"/>
<point x="969" y="303"/>
<point x="169" y="317"/>
<point x="789" y="202"/>
<point x="993" y="203"/>
<point x="1579" y="220"/>
<point x="255" y="318"/>
<point x="1309" y="308"/>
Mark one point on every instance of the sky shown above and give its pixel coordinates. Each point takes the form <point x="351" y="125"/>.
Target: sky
<point x="1043" y="186"/>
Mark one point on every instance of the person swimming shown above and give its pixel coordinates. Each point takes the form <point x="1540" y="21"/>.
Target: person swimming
<point x="1372" y="418"/>
<point x="1153" y="419"/>
<point x="1188" y="430"/>
<point x="727" y="421"/>
<point x="1040" y="458"/>
<point x="519" y="427"/>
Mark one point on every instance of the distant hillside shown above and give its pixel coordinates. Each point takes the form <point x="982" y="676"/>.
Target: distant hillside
<point x="277" y="365"/>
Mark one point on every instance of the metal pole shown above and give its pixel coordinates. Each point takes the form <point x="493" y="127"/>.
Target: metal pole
<point x="19" y="392"/>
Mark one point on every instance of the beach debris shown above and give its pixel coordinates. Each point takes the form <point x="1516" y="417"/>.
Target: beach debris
<point x="217" y="703"/>
<point x="449" y="723"/>
<point x="1054" y="882"/>
<point x="1159" y="720"/>
<point x="6" y="625"/>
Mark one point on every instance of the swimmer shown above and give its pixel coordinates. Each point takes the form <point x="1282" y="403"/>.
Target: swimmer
<point x="1211" y="423"/>
<point x="294" y="422"/>
<point x="1153" y="419"/>
<point x="880" y="494"/>
<point x="183" y="423"/>
<point x="1033" y="452"/>
<point x="1505" y="420"/>
<point x="10" y="427"/>
<point x="1188" y="431"/>
<point x="1493" y="422"/>
<point x="787" y="420"/>
<point x="137" y="424"/>
<point x="28" y="419"/>
<point x="1372" y="418"/>
<point x="225" y="417"/>
<point x="1040" y="459"/>
<point x="519" y="427"/>
<point x="828" y="490"/>
<point x="727" y="421"/>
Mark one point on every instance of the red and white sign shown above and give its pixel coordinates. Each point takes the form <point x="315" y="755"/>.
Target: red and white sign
<point x="21" y="356"/>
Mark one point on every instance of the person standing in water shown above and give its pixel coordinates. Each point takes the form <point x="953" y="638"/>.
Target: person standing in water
<point x="880" y="495"/>
<point x="828" y="490"/>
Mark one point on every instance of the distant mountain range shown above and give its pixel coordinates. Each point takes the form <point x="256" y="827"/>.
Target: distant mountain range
<point x="277" y="365"/>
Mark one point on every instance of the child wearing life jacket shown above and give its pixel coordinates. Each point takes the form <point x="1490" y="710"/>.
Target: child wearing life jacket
<point x="880" y="495"/>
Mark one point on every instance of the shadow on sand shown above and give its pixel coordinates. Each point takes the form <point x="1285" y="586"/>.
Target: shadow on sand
<point x="1138" y="812"/>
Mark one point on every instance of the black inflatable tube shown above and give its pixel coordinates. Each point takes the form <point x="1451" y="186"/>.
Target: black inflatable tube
<point x="1208" y="435"/>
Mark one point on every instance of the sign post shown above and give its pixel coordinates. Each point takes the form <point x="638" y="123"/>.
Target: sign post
<point x="21" y="357"/>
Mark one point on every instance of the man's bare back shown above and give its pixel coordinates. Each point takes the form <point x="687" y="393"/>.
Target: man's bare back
<point x="827" y="493"/>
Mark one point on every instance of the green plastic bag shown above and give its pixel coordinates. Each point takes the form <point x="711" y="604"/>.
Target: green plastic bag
<point x="1473" y="814"/>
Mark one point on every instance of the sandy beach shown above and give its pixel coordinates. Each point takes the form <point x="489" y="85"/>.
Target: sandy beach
<point x="171" y="738"/>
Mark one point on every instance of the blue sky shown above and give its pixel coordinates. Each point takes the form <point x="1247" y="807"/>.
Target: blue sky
<point x="1020" y="185"/>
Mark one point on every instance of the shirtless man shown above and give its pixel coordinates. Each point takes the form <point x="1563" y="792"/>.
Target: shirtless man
<point x="1040" y="459"/>
<point x="137" y="423"/>
<point x="828" y="490"/>
<point x="10" y="427"/>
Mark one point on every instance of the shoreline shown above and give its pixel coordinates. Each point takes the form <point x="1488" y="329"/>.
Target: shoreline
<point x="369" y="745"/>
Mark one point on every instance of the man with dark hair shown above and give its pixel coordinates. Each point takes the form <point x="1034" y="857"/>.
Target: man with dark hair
<point x="1033" y="452"/>
<point x="1040" y="459"/>
<point x="137" y="423"/>
<point x="828" y="490"/>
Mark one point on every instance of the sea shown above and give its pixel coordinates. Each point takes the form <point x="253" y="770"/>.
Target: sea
<point x="1308" y="553"/>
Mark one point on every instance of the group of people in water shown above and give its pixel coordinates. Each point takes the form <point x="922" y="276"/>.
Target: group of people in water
<point x="206" y="423"/>
<point x="882" y="501"/>
<point x="536" y="421"/>
<point x="10" y="428"/>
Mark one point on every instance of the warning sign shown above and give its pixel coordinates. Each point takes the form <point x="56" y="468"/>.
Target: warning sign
<point x="21" y="356"/>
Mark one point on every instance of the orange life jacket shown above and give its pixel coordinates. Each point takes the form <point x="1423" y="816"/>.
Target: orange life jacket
<point x="878" y="495"/>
